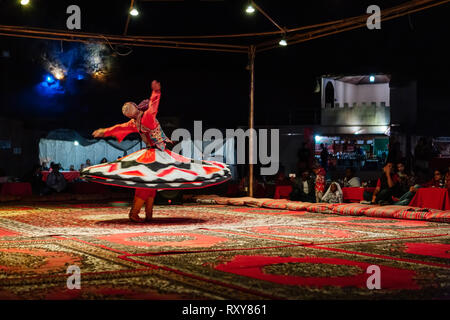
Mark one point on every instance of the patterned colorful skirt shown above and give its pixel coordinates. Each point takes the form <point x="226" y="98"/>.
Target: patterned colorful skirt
<point x="153" y="168"/>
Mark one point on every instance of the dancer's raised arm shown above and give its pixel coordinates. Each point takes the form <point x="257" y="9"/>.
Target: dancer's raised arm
<point x="149" y="117"/>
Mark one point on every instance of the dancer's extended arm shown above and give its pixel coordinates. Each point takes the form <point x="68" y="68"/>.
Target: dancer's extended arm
<point x="119" y="131"/>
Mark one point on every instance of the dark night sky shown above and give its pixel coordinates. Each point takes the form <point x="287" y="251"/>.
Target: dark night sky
<point x="214" y="87"/>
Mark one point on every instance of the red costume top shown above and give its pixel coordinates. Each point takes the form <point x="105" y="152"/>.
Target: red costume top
<point x="145" y="124"/>
<point x="320" y="180"/>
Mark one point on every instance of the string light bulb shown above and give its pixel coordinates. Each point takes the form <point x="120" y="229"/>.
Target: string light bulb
<point x="250" y="9"/>
<point x="134" y="12"/>
<point x="283" y="43"/>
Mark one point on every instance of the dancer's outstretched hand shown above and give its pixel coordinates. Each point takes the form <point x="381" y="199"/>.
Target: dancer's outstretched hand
<point x="156" y="85"/>
<point x="98" y="133"/>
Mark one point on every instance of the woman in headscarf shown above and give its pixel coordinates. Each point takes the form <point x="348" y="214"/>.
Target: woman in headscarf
<point x="154" y="167"/>
<point x="334" y="194"/>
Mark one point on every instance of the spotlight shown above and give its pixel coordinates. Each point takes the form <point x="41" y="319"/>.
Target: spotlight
<point x="76" y="143"/>
<point x="250" y="9"/>
<point x="24" y="2"/>
<point x="283" y="43"/>
<point x="49" y="79"/>
<point x="59" y="75"/>
<point x="134" y="12"/>
<point x="317" y="138"/>
<point x="372" y="79"/>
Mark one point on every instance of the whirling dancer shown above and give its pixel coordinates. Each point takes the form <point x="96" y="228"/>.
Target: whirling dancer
<point x="154" y="167"/>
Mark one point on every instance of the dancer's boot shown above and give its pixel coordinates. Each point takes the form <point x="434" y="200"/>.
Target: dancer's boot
<point x="135" y="209"/>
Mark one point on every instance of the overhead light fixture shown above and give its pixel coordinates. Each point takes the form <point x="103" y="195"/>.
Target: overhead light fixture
<point x="283" y="43"/>
<point x="250" y="9"/>
<point x="372" y="79"/>
<point x="24" y="2"/>
<point x="76" y="143"/>
<point x="134" y="12"/>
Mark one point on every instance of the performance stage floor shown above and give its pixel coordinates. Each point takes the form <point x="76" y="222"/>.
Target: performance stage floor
<point x="217" y="252"/>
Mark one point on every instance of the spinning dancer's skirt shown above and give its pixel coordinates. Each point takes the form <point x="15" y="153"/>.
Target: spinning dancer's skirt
<point x="153" y="168"/>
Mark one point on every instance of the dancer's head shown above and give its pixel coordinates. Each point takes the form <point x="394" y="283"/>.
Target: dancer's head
<point x="130" y="110"/>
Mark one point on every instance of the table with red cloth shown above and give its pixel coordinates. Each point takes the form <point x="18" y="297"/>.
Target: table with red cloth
<point x="282" y="192"/>
<point x="68" y="175"/>
<point x="431" y="198"/>
<point x="16" y="189"/>
<point x="355" y="194"/>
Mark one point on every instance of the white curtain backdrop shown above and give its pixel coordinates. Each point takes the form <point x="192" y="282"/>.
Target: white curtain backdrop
<point x="67" y="153"/>
<point x="226" y="151"/>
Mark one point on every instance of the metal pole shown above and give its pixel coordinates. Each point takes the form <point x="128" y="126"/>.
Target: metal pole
<point x="268" y="17"/>
<point x="252" y="53"/>
<point x="128" y="18"/>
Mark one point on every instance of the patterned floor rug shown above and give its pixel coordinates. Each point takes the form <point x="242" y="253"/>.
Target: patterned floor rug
<point x="215" y="251"/>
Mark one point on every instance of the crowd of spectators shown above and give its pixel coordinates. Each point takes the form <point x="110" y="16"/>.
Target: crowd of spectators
<point x="396" y="184"/>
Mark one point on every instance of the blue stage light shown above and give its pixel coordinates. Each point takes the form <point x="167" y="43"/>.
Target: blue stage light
<point x="80" y="77"/>
<point x="49" y="79"/>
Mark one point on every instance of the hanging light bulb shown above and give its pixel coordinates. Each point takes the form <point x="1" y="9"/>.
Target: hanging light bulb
<point x="250" y="9"/>
<point x="134" y="12"/>
<point x="283" y="43"/>
<point x="24" y="2"/>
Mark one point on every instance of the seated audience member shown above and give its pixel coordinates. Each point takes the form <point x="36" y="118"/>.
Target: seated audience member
<point x="81" y="167"/>
<point x="45" y="166"/>
<point x="436" y="182"/>
<point x="55" y="180"/>
<point x="281" y="179"/>
<point x="88" y="163"/>
<point x="320" y="182"/>
<point x="406" y="181"/>
<point x="303" y="188"/>
<point x="72" y="167"/>
<point x="104" y="160"/>
<point x="350" y="180"/>
<point x="334" y="194"/>
<point x="387" y="186"/>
